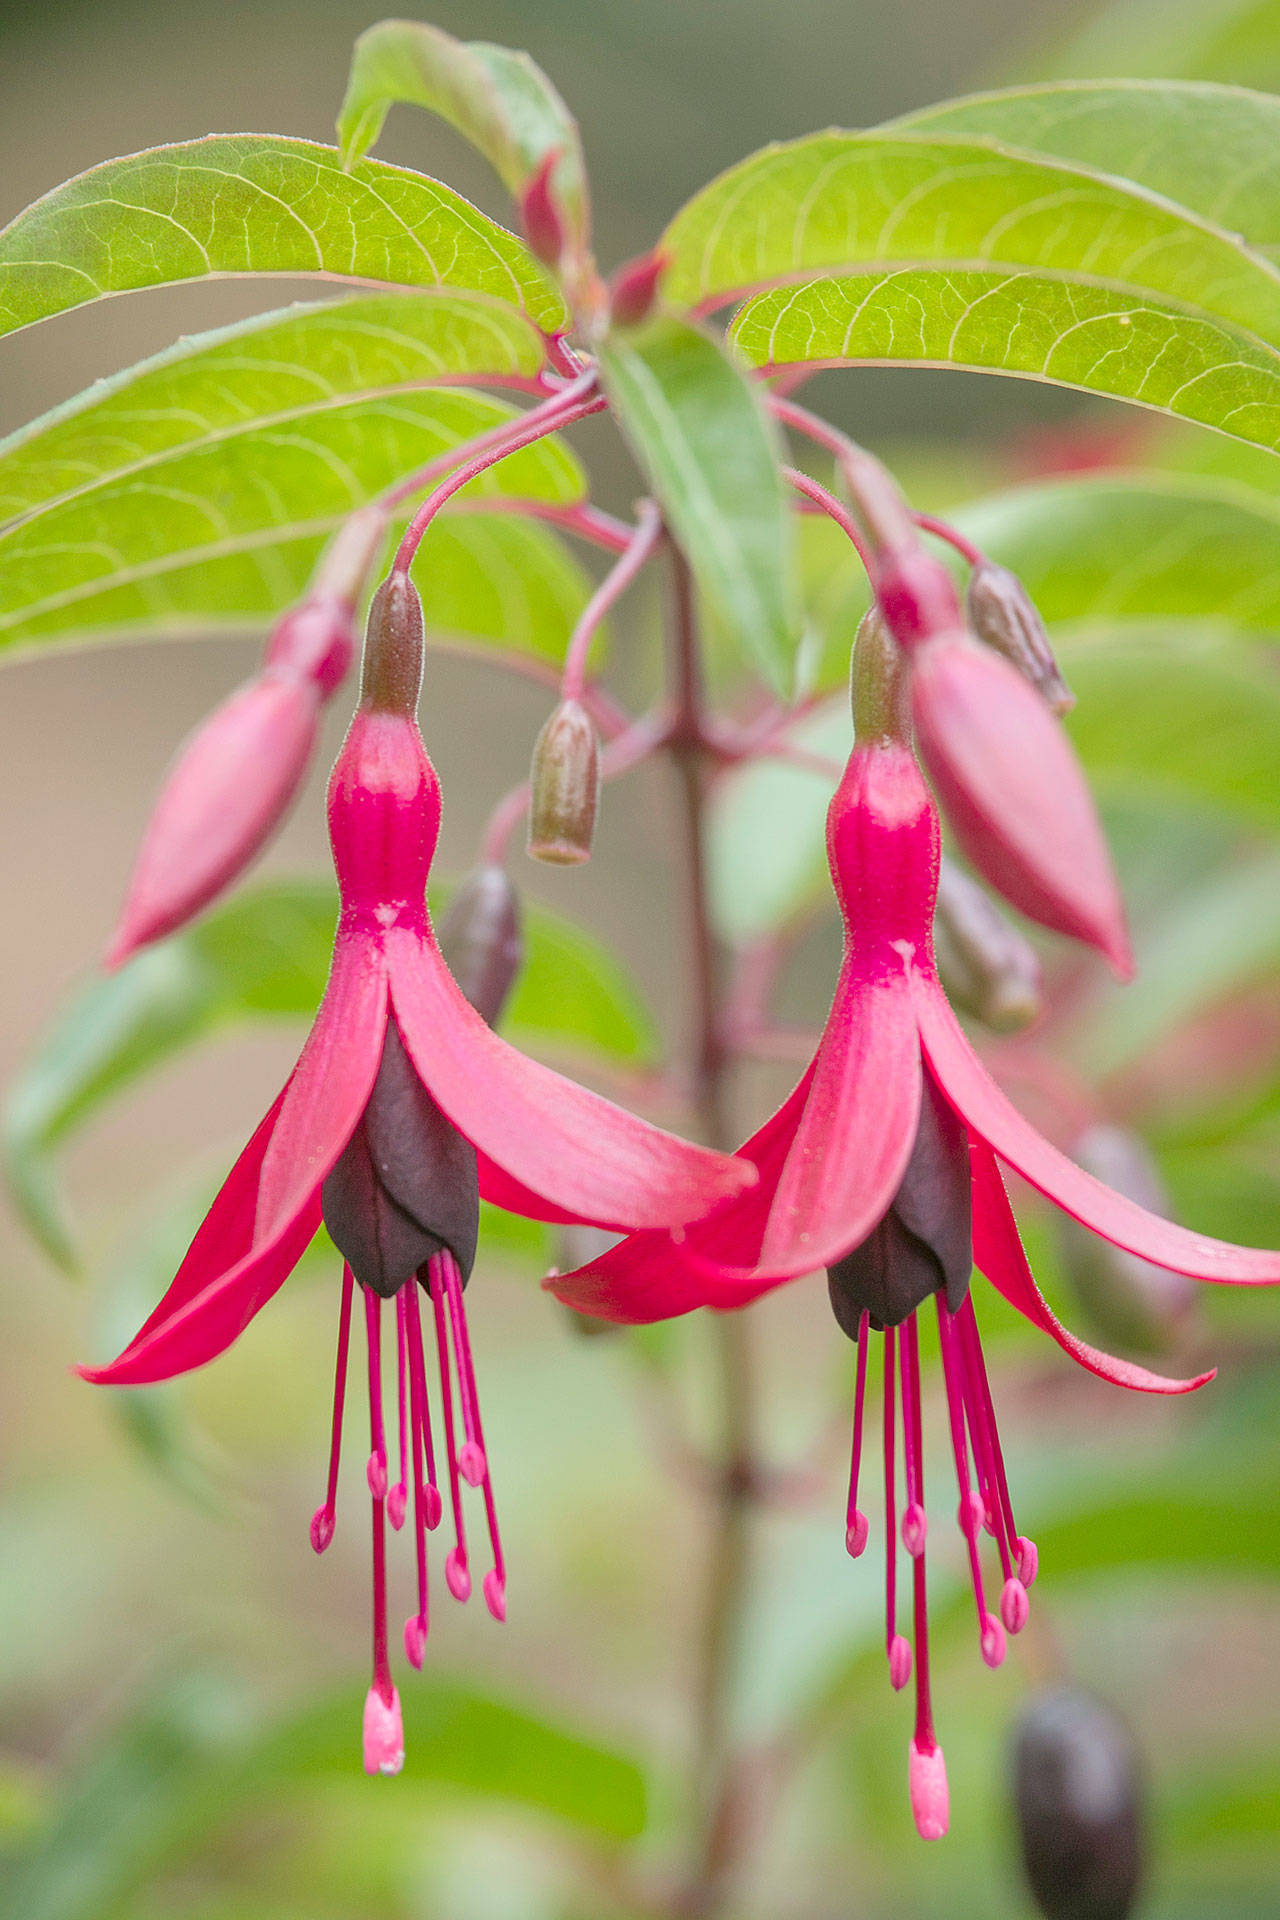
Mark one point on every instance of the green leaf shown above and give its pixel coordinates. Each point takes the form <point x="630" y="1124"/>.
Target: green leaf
<point x="767" y="846"/>
<point x="203" y="483"/>
<point x="500" y="100"/>
<point x="185" y="1769"/>
<point x="256" y="203"/>
<point x="266" y="955"/>
<point x="1104" y="549"/>
<point x="1096" y="339"/>
<point x="1214" y="150"/>
<point x="1196" y="39"/>
<point x="711" y="455"/>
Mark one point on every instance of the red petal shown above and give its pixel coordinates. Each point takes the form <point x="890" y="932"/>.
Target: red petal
<point x="999" y="1253"/>
<point x="642" y="1279"/>
<point x="330" y="1085"/>
<point x="1014" y="793"/>
<point x="976" y="1096"/>
<point x="565" y="1148"/>
<point x="220" y="1284"/>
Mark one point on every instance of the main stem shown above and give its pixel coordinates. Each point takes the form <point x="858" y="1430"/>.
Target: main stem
<point x="715" y="1786"/>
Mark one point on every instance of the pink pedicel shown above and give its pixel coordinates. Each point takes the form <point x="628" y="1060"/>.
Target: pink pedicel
<point x="927" y="1784"/>
<point x="383" y="1732"/>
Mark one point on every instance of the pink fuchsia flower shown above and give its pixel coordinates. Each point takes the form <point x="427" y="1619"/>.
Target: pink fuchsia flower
<point x="235" y="776"/>
<point x="884" y="1167"/>
<point x="404" y="1108"/>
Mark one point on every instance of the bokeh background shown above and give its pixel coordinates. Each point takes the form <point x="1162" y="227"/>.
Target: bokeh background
<point x="179" y="1678"/>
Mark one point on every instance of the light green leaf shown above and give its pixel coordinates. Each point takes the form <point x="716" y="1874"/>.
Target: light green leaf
<point x="1105" y="549"/>
<point x="266" y="955"/>
<point x="1195" y="39"/>
<point x="711" y="455"/>
<point x="256" y="204"/>
<point x="766" y="846"/>
<point x="1214" y="150"/>
<point x="203" y="483"/>
<point x="1098" y="339"/>
<point x="500" y="100"/>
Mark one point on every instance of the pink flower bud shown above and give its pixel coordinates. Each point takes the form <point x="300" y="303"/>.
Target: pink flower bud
<point x="224" y="794"/>
<point x="564" y="784"/>
<point x="634" y="288"/>
<point x="916" y="594"/>
<point x="539" y="214"/>
<point x="1014" y="792"/>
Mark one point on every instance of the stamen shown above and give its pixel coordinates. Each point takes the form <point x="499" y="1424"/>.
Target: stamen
<point x="398" y="1496"/>
<point x="856" y="1523"/>
<point x="383" y="1729"/>
<point x="915" y="1526"/>
<point x="1019" y="1559"/>
<point x="324" y="1519"/>
<point x="927" y="1769"/>
<point x="978" y="1412"/>
<point x="969" y="1514"/>
<point x="376" y="1471"/>
<point x="456" y="1572"/>
<point x="897" y="1647"/>
<point x="416" y="1627"/>
<point x="476" y="1467"/>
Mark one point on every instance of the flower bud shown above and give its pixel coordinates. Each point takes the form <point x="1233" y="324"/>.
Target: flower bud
<point x="634" y="288"/>
<point x="225" y="792"/>
<point x="1078" y="1800"/>
<point x="915" y="592"/>
<point x="564" y="784"/>
<point x="391" y="674"/>
<point x="1014" y="792"/>
<point x="1132" y="1303"/>
<point x="540" y="216"/>
<point x="987" y="968"/>
<point x="480" y="940"/>
<point x="1002" y="613"/>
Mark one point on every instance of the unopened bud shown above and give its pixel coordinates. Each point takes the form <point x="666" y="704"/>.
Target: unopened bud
<point x="986" y="966"/>
<point x="916" y="593"/>
<point x="1002" y="613"/>
<point x="480" y="939"/>
<point x="1132" y="1303"/>
<point x="539" y="214"/>
<point x="1014" y="792"/>
<point x="564" y="785"/>
<point x="878" y="685"/>
<point x="634" y="288"/>
<point x="1078" y="1799"/>
<point x="391" y="678"/>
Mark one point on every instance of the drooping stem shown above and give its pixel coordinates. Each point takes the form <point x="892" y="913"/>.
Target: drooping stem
<point x="716" y="1795"/>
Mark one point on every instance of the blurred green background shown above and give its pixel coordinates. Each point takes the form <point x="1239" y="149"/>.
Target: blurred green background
<point x="179" y="1678"/>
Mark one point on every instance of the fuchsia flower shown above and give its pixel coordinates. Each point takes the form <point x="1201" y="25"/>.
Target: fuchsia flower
<point x="403" y="1109"/>
<point x="234" y="778"/>
<point x="884" y="1167"/>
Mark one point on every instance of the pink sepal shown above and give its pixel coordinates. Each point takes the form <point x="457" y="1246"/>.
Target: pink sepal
<point x="1013" y="791"/>
<point x="564" y="1147"/>
<point x="995" y="1119"/>
<point x="998" y="1252"/>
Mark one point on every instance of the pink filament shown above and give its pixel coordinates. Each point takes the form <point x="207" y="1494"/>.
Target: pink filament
<point x="376" y="1472"/>
<point x="896" y="1646"/>
<point x="398" y="1497"/>
<point x="986" y="1440"/>
<point x="456" y="1572"/>
<point x="473" y="1461"/>
<point x="855" y="1529"/>
<point x="324" y="1519"/>
<point x="925" y="1740"/>
<point x="417" y="1626"/>
<point x="970" y="1509"/>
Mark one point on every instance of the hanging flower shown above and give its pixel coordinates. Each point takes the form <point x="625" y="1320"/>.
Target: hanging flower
<point x="404" y="1108"/>
<point x="883" y="1166"/>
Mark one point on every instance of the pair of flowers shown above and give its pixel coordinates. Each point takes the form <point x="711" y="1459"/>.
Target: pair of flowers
<point x="882" y="1166"/>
